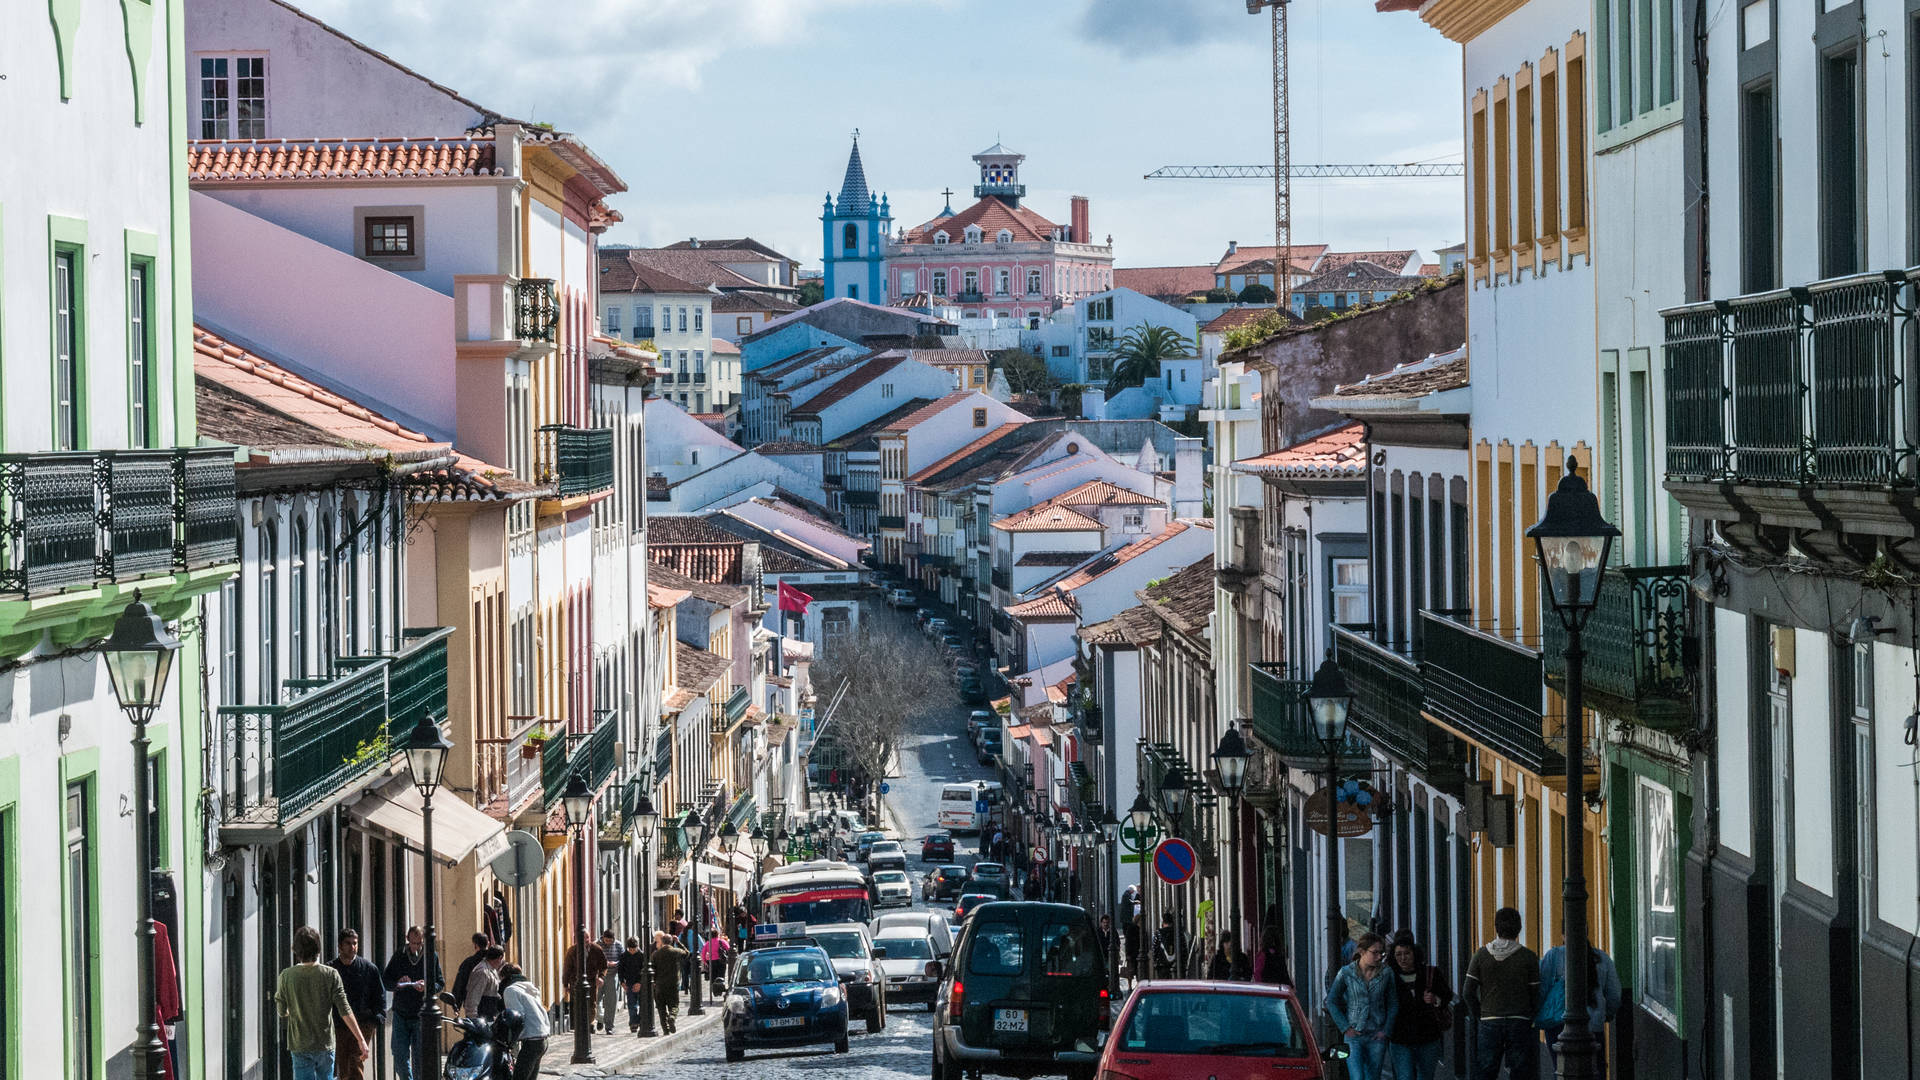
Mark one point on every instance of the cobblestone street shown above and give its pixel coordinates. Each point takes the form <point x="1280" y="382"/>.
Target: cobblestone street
<point x="901" y="1049"/>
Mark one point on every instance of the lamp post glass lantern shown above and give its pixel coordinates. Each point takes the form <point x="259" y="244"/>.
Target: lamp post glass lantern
<point x="425" y="749"/>
<point x="577" y="801"/>
<point x="693" y="836"/>
<point x="1575" y="542"/>
<point x="139" y="657"/>
<point x="1329" y="701"/>
<point x="645" y="821"/>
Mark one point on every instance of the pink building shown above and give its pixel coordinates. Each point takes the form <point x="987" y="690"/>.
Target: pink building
<point x="998" y="258"/>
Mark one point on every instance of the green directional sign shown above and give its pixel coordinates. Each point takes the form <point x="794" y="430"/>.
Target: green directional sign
<point x="1135" y="841"/>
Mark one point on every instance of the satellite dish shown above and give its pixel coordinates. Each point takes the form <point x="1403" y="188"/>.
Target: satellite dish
<point x="521" y="863"/>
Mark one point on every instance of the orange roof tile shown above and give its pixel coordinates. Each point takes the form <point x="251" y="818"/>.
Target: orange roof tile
<point x="928" y="412"/>
<point x="1102" y="493"/>
<point x="1158" y="281"/>
<point x="1042" y="735"/>
<point x="1044" y="518"/>
<point x="1019" y="731"/>
<point x="991" y="215"/>
<point x="1234" y="318"/>
<point x="1126" y="554"/>
<point x="250" y="160"/>
<point x="1304" y="256"/>
<point x="980" y="443"/>
<point x="1331" y="455"/>
<point x="1051" y="605"/>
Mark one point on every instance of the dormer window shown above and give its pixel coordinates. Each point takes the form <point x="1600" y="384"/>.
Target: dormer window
<point x="973" y="234"/>
<point x="1004" y="236"/>
<point x="940" y="238"/>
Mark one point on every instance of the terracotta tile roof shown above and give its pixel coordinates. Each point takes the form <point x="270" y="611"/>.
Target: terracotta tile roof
<point x="744" y="300"/>
<point x="1135" y="626"/>
<point x="852" y="439"/>
<point x="1428" y="270"/>
<point x="1393" y="262"/>
<point x="697" y="669"/>
<point x="959" y="455"/>
<point x="253" y="160"/>
<point x="1104" y="563"/>
<point x="1041" y="734"/>
<point x="1051" y="605"/>
<point x="1330" y="455"/>
<point x="723" y="347"/>
<point x="1302" y="255"/>
<point x="1359" y="275"/>
<point x="1103" y="493"/>
<point x="1184" y="599"/>
<point x="255" y="391"/>
<point x="622" y="272"/>
<point x="668" y="577"/>
<point x="677" y="700"/>
<point x="927" y="412"/>
<point x="1052" y="558"/>
<point x="1019" y="731"/>
<point x="660" y="596"/>
<point x="741" y="247"/>
<point x="991" y="215"/>
<point x="1044" y="518"/>
<point x="699" y="266"/>
<point x="1158" y="281"/>
<point x="1432" y="375"/>
<point x="809" y="517"/>
<point x="792" y="362"/>
<point x="850" y="384"/>
<point x="1234" y="318"/>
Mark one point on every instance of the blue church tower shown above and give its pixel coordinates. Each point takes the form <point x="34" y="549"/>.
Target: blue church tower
<point x="854" y="237"/>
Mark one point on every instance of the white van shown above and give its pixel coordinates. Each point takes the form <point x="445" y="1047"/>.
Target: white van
<point x="958" y="808"/>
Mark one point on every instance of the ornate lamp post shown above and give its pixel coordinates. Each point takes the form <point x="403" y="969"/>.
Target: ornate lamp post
<point x="1329" y="700"/>
<point x="1173" y="799"/>
<point x="1574" y="542"/>
<point x="729" y="844"/>
<point x="1230" y="764"/>
<point x="1108" y="829"/>
<point x="578" y="802"/>
<point x="1140" y="816"/>
<point x="426" y="748"/>
<point x="139" y="657"/>
<point x="646" y="820"/>
<point x="693" y="840"/>
<point x="757" y="847"/>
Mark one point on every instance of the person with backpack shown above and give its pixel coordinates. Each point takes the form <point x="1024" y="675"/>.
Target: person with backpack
<point x="1363" y="1005"/>
<point x="1270" y="963"/>
<point x="1603" y="999"/>
<point x="1426" y="1011"/>
<point x="1168" y="948"/>
<point x="1503" y="990"/>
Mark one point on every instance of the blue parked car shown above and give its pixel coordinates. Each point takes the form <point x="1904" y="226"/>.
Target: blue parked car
<point x="785" y="996"/>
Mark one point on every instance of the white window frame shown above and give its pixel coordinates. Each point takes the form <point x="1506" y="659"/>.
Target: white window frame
<point x="1643" y="910"/>
<point x="908" y="279"/>
<point x="973" y="234"/>
<point x="940" y="238"/>
<point x="940" y="282"/>
<point x="699" y="320"/>
<point x="1033" y="282"/>
<point x="227" y="125"/>
<point x="1002" y="281"/>
<point x="1336" y="591"/>
<point x="612" y="325"/>
<point x="1004" y="236"/>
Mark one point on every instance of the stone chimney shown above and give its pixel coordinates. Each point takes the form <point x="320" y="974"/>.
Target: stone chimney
<point x="1233" y="246"/>
<point x="1189" y="481"/>
<point x="1081" y="233"/>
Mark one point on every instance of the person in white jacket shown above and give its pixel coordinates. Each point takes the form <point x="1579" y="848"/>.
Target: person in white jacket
<point x="518" y="993"/>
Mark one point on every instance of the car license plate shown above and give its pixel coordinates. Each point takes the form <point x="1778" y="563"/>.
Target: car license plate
<point x="785" y="1021"/>
<point x="1009" y="1019"/>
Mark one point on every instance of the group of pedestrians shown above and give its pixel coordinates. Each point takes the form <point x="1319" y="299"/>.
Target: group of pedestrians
<point x="1390" y="1004"/>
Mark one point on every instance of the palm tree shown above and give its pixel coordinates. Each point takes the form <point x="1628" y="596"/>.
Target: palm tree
<point x="1139" y="351"/>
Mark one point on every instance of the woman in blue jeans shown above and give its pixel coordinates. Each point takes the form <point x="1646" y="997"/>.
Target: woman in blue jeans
<point x="1363" y="1004"/>
<point x="1424" y="1015"/>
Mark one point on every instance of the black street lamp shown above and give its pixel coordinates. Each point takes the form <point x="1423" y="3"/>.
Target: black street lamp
<point x="757" y="846"/>
<point x="1230" y="764"/>
<point x="729" y="845"/>
<point x="646" y="820"/>
<point x="1140" y="816"/>
<point x="578" y="802"/>
<point x="139" y="657"/>
<point x="693" y="840"/>
<point x="1329" y="700"/>
<point x="1173" y="798"/>
<point x="1108" y="829"/>
<point x="1574" y="543"/>
<point x="426" y="748"/>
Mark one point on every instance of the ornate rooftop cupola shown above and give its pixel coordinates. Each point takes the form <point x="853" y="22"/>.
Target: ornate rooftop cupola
<point x="1000" y="175"/>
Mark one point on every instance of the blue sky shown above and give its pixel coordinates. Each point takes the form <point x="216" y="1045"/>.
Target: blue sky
<point x="730" y="117"/>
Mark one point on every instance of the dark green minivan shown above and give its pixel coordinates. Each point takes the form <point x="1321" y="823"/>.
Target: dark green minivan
<point x="1026" y="995"/>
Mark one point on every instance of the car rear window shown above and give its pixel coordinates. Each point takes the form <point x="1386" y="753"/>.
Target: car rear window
<point x="845" y="945"/>
<point x="998" y="949"/>
<point x="789" y="968"/>
<point x="906" y="948"/>
<point x="1198" y="1022"/>
<point x="1069" y="948"/>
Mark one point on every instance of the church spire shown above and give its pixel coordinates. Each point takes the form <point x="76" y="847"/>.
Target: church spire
<point x="855" y="200"/>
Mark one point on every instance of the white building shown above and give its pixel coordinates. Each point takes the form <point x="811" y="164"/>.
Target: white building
<point x="1077" y="340"/>
<point x="640" y="303"/>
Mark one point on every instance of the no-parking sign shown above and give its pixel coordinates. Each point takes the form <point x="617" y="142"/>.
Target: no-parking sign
<point x="1174" y="861"/>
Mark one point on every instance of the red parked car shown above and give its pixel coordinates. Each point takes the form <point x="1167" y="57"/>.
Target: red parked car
<point x="1175" y="1030"/>
<point x="937" y="847"/>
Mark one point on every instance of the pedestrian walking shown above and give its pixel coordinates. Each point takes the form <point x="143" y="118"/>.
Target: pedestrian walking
<point x="714" y="956"/>
<point x="596" y="969"/>
<point x="608" y="986"/>
<point x="483" y="986"/>
<point x="740" y="926"/>
<point x="1219" y="963"/>
<point x="407" y="977"/>
<point x="1603" y="999"/>
<point x="1270" y="963"/>
<point x="1168" y="948"/>
<point x="630" y="975"/>
<point x="1133" y="936"/>
<point x="1363" y="1004"/>
<point x="366" y="996"/>
<point x="310" y="997"/>
<point x="668" y="959"/>
<point x="1109" y="940"/>
<point x="464" y="973"/>
<point x="1503" y="990"/>
<point x="690" y="942"/>
<point x="1426" y="1011"/>
<point x="518" y="993"/>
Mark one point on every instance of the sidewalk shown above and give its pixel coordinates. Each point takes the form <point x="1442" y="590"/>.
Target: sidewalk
<point x="622" y="1053"/>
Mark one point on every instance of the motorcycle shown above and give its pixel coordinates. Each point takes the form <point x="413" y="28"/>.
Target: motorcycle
<point x="485" y="1051"/>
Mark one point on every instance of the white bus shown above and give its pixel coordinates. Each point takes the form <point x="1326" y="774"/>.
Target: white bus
<point x="814" y="892"/>
<point x="958" y="808"/>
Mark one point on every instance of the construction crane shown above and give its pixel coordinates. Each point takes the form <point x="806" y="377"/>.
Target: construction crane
<point x="1306" y="172"/>
<point x="1282" y="159"/>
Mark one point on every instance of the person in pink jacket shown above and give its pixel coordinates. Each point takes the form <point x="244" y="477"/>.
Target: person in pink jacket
<point x="715" y="954"/>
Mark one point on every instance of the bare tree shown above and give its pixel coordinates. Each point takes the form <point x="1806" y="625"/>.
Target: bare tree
<point x="889" y="671"/>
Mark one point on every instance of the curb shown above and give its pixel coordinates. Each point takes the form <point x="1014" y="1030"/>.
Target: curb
<point x="636" y="1051"/>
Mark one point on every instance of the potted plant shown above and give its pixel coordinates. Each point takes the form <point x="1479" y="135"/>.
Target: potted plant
<point x="536" y="742"/>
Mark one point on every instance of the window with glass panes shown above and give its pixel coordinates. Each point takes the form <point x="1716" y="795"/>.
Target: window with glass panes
<point x="389" y="236"/>
<point x="297" y="600"/>
<point x="233" y="97"/>
<point x="66" y="349"/>
<point x="268" y="606"/>
<point x="1349" y="590"/>
<point x="80" y="974"/>
<point x="141" y="419"/>
<point x="1657" y="894"/>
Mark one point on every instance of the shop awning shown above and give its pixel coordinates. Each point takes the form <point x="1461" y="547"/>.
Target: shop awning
<point x="458" y="829"/>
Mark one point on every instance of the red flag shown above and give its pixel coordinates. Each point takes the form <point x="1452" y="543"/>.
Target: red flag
<point x="792" y="599"/>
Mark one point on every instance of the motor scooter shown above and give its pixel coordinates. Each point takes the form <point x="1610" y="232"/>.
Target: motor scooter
<point x="485" y="1050"/>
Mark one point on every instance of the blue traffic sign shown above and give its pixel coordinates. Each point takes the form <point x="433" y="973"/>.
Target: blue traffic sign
<point x="885" y="787"/>
<point x="980" y="806"/>
<point x="1173" y="861"/>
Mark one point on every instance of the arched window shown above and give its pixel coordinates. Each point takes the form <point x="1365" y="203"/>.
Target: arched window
<point x="1004" y="236"/>
<point x="349" y="582"/>
<point x="323" y="637"/>
<point x="297" y="598"/>
<point x="940" y="238"/>
<point x="850" y="236"/>
<point x="269" y="609"/>
<point x="1033" y="282"/>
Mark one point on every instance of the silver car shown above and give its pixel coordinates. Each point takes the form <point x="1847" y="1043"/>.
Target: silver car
<point x="910" y="965"/>
<point x="892" y="888"/>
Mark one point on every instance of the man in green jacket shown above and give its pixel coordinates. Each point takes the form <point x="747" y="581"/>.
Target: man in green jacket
<point x="1503" y="990"/>
<point x="667" y="958"/>
<point x="309" y="996"/>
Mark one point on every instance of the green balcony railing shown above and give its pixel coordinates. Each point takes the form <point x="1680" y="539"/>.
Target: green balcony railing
<point x="577" y="461"/>
<point x="662" y="754"/>
<point x="1806" y="385"/>
<point x="737" y="703"/>
<point x="1389" y="690"/>
<point x="556" y="764"/>
<point x="888" y="521"/>
<point x="1489" y="689"/>
<point x="74" y="519"/>
<point x="1636" y="642"/>
<point x="1282" y="721"/>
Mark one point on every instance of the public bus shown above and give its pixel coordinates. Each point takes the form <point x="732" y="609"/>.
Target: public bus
<point x="959" y="811"/>
<point x="815" y="892"/>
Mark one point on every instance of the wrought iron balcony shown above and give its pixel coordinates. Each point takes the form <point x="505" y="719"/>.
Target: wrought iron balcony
<point x="1002" y="622"/>
<point x="591" y="754"/>
<point x="536" y="310"/>
<point x="737" y="703"/>
<point x="1797" y="386"/>
<point x="970" y="296"/>
<point x="508" y="769"/>
<point x="73" y="519"/>
<point x="1636" y="641"/>
<point x="662" y="754"/>
<point x="284" y="758"/>
<point x="856" y="497"/>
<point x="891" y="522"/>
<point x="1087" y="717"/>
<point x="831" y="479"/>
<point x="578" y="461"/>
<point x="1489" y="690"/>
<point x="1389" y="690"/>
<point x="1003" y="578"/>
<point x="1281" y="720"/>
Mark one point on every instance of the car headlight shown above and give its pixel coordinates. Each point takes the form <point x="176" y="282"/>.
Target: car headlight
<point x="737" y="1002"/>
<point x="830" y="997"/>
